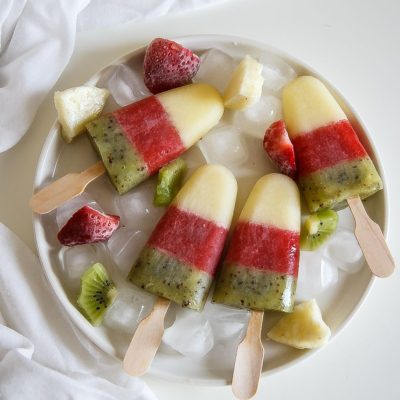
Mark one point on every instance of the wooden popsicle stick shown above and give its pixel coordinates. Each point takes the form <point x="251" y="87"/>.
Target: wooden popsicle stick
<point x="63" y="189"/>
<point x="371" y="240"/>
<point x="249" y="359"/>
<point x="146" y="340"/>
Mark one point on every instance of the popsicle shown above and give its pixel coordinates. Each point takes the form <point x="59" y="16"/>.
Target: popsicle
<point x="260" y="269"/>
<point x="135" y="141"/>
<point x="180" y="258"/>
<point x="332" y="163"/>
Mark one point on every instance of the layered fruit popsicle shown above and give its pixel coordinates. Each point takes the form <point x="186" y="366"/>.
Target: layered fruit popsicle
<point x="332" y="163"/>
<point x="135" y="141"/>
<point x="180" y="258"/>
<point x="261" y="265"/>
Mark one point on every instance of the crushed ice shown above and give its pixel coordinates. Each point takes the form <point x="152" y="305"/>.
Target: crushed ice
<point x="256" y="119"/>
<point x="124" y="84"/>
<point x="190" y="334"/>
<point x="216" y="68"/>
<point x="224" y="145"/>
<point x="128" y="309"/>
<point x="77" y="259"/>
<point x="315" y="275"/>
<point x="276" y="72"/>
<point x="195" y="334"/>
<point x="136" y="207"/>
<point x="125" y="246"/>
<point x="344" y="251"/>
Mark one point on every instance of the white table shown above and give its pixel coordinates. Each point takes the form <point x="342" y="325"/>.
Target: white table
<point x="355" y="44"/>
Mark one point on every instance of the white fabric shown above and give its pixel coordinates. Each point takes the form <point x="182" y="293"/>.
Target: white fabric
<point x="36" y="42"/>
<point x="42" y="355"/>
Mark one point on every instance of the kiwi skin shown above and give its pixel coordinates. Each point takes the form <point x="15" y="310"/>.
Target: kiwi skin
<point x="98" y="292"/>
<point x="317" y="228"/>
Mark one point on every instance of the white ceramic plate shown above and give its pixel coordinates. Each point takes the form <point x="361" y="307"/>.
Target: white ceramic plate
<point x="338" y="304"/>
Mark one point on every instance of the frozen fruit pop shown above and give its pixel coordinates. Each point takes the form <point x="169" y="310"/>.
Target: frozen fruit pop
<point x="180" y="258"/>
<point x="135" y="141"/>
<point x="332" y="163"/>
<point x="261" y="265"/>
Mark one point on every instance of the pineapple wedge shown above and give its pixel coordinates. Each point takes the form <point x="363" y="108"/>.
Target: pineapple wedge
<point x="77" y="106"/>
<point x="303" y="329"/>
<point x="245" y="86"/>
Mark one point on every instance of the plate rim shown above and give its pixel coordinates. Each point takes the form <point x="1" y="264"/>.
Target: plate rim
<point x="54" y="136"/>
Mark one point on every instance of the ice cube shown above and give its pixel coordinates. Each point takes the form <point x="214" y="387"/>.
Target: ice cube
<point x="76" y="260"/>
<point x="65" y="211"/>
<point x="255" y="119"/>
<point x="316" y="275"/>
<point x="329" y="273"/>
<point x="276" y="72"/>
<point x="346" y="219"/>
<point x="125" y="245"/>
<point x="194" y="158"/>
<point x="104" y="193"/>
<point x="216" y="68"/>
<point x="227" y="323"/>
<point x="136" y="207"/>
<point x="191" y="334"/>
<point x="124" y="84"/>
<point x="344" y="250"/>
<point x="128" y="309"/>
<point x="224" y="145"/>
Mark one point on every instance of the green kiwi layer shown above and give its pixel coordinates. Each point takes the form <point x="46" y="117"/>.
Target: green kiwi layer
<point x="165" y="276"/>
<point x="124" y="166"/>
<point x="254" y="289"/>
<point x="330" y="187"/>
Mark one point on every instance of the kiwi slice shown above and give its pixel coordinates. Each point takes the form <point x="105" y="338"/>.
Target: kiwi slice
<point x="169" y="181"/>
<point x="97" y="293"/>
<point x="317" y="228"/>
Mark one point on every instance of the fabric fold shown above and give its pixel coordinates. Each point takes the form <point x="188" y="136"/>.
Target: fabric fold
<point x="40" y="345"/>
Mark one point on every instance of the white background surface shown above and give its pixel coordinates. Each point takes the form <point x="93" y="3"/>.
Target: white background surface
<point x="356" y="45"/>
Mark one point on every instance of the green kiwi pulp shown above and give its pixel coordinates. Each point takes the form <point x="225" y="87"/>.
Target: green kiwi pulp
<point x="317" y="228"/>
<point x="169" y="181"/>
<point x="330" y="187"/>
<point x="97" y="293"/>
<point x="246" y="287"/>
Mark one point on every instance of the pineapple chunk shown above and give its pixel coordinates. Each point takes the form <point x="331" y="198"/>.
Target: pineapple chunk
<point x="303" y="329"/>
<point x="245" y="86"/>
<point x="77" y="106"/>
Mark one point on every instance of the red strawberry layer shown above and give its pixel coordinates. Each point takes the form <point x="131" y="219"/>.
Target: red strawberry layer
<point x="189" y="238"/>
<point x="327" y="146"/>
<point x="265" y="247"/>
<point x="151" y="132"/>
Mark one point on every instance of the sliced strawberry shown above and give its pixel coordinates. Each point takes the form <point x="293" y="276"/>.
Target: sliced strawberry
<point x="280" y="149"/>
<point x="88" y="225"/>
<point x="168" y="65"/>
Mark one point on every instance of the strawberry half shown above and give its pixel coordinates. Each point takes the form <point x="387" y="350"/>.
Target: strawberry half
<point x="168" y="65"/>
<point x="280" y="149"/>
<point x="87" y="225"/>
